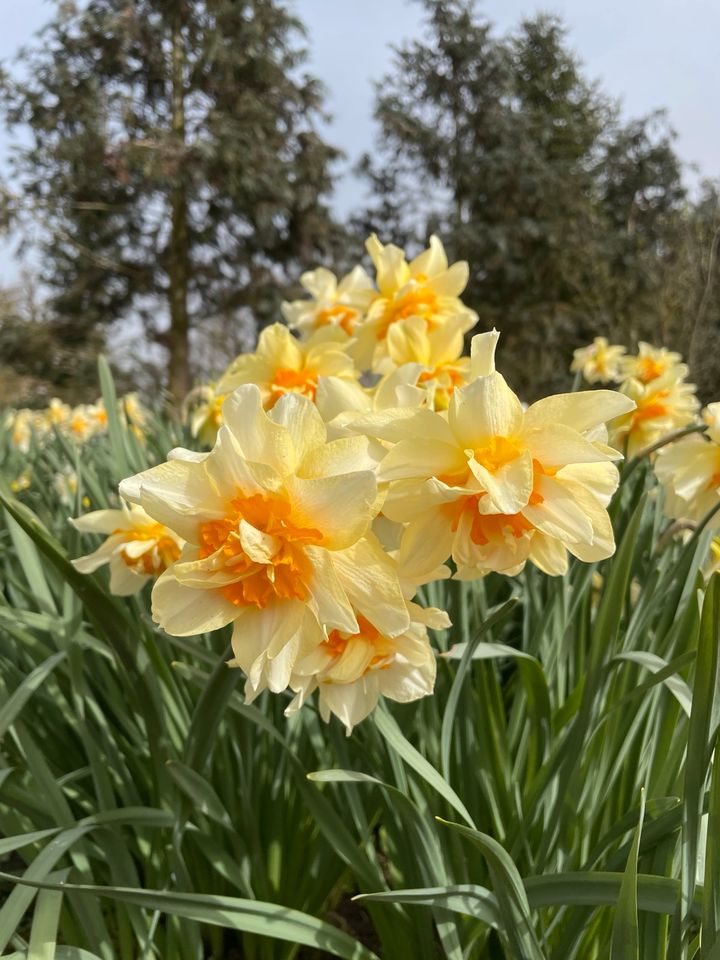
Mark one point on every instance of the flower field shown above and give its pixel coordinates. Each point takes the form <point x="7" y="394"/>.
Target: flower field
<point x="357" y="654"/>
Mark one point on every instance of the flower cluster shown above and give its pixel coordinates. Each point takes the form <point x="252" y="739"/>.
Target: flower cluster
<point x="654" y="378"/>
<point x="352" y="462"/>
<point x="79" y="423"/>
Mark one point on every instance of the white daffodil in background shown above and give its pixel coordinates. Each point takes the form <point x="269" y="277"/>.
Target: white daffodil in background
<point x="689" y="471"/>
<point x="662" y="405"/>
<point x="342" y="304"/>
<point x="599" y="362"/>
<point x="494" y="485"/>
<point x="277" y="523"/>
<point x="652" y="362"/>
<point x="283" y="364"/>
<point x="427" y="287"/>
<point x="137" y="548"/>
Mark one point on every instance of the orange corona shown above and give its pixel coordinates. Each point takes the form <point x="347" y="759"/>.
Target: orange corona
<point x="287" y="571"/>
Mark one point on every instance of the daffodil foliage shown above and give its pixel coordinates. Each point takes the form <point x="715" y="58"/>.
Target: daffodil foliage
<point x="370" y="625"/>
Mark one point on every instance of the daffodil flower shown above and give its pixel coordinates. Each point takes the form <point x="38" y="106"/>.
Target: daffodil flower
<point x="277" y="523"/>
<point x="689" y="471"/>
<point x="493" y="484"/>
<point x="599" y="362"/>
<point x="427" y="288"/>
<point x="342" y="305"/>
<point x="137" y="547"/>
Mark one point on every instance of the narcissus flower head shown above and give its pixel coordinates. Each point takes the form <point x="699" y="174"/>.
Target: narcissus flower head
<point x="426" y="287"/>
<point x="599" y="362"/>
<point x="334" y="304"/>
<point x="651" y="363"/>
<point x="352" y="670"/>
<point x="137" y="547"/>
<point x="277" y="528"/>
<point x="283" y="364"/>
<point x="664" y="404"/>
<point x="494" y="485"/>
<point x="437" y="348"/>
<point x="689" y="471"/>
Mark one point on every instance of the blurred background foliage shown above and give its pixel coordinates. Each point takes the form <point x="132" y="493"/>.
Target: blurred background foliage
<point x="172" y="172"/>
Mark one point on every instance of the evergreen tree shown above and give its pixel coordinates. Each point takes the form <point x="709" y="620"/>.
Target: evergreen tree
<point x="526" y="169"/>
<point x="174" y="164"/>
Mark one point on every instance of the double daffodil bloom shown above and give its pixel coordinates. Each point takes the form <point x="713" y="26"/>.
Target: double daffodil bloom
<point x="137" y="548"/>
<point x="599" y="362"/>
<point x="437" y="348"/>
<point x="342" y="304"/>
<point x="283" y="364"/>
<point x="277" y="524"/>
<point x="351" y="671"/>
<point x="494" y="485"/>
<point x="664" y="404"/>
<point x="651" y="363"/>
<point x="689" y="471"/>
<point x="427" y="287"/>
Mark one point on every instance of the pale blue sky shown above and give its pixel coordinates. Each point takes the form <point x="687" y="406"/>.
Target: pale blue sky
<point x="650" y="53"/>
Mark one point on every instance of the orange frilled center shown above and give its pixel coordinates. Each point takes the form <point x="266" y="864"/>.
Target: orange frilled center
<point x="285" y="380"/>
<point x="337" y="643"/>
<point x="493" y="527"/>
<point x="417" y="301"/>
<point x="488" y="527"/>
<point x="654" y="408"/>
<point x="447" y="378"/>
<point x="285" y="574"/>
<point x="158" y="558"/>
<point x="498" y="452"/>
<point x="648" y="369"/>
<point x="341" y="315"/>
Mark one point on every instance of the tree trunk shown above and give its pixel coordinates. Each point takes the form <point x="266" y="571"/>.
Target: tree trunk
<point x="178" y="265"/>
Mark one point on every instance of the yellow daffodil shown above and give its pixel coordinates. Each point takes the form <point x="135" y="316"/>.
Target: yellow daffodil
<point x="58" y="413"/>
<point x="137" y="547"/>
<point x="342" y="304"/>
<point x="277" y="523"/>
<point x="427" y="287"/>
<point x="352" y="670"/>
<point x="341" y="402"/>
<point x="599" y="362"/>
<point x="283" y="364"/>
<point x="22" y="482"/>
<point x="689" y="471"/>
<point x="202" y="409"/>
<point x="664" y="404"/>
<point x="437" y="348"/>
<point x="651" y="363"/>
<point x="493" y="485"/>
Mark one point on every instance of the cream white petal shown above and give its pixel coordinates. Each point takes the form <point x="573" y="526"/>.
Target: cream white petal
<point x="508" y="489"/>
<point x="555" y="445"/>
<point x="484" y="408"/>
<point x="259" y="438"/>
<point x="432" y="458"/>
<point x="345" y="455"/>
<point x="559" y="514"/>
<point x="371" y="582"/>
<point x="183" y="611"/>
<point x="330" y="601"/>
<point x="101" y="521"/>
<point x="581" y="411"/>
<point x="103" y="554"/>
<point x="548" y="554"/>
<point x="124" y="581"/>
<point x="340" y="507"/>
<point x="303" y="423"/>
